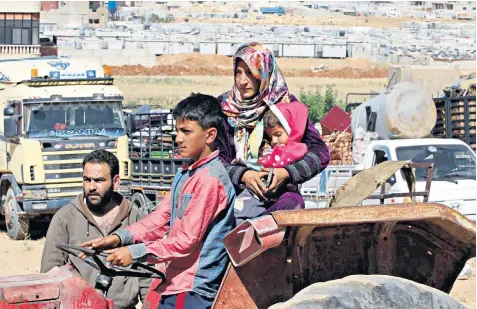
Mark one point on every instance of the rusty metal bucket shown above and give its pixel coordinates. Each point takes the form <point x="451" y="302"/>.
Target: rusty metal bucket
<point x="423" y="242"/>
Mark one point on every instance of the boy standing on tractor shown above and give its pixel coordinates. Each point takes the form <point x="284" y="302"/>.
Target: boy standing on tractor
<point x="186" y="230"/>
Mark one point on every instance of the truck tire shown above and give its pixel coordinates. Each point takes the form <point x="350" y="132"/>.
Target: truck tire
<point x="142" y="203"/>
<point x="369" y="291"/>
<point x="17" y="224"/>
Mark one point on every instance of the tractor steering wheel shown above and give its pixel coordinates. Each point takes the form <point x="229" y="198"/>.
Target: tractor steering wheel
<point x="97" y="259"/>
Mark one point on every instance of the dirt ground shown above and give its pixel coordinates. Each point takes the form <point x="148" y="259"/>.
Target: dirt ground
<point x="24" y="257"/>
<point x="195" y="64"/>
<point x="176" y="76"/>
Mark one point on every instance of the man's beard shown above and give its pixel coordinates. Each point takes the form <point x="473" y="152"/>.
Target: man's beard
<point x="100" y="204"/>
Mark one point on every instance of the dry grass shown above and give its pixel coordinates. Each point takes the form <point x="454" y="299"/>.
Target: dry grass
<point x="166" y="91"/>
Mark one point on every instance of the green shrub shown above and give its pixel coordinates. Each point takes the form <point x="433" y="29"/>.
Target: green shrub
<point x="319" y="103"/>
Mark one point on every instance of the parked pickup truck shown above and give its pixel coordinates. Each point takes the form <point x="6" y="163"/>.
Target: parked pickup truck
<point x="453" y="176"/>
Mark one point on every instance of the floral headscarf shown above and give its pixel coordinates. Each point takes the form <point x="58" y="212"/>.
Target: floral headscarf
<point x="246" y="114"/>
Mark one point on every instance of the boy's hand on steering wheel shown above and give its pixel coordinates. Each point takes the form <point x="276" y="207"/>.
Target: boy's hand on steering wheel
<point x="108" y="242"/>
<point x="119" y="256"/>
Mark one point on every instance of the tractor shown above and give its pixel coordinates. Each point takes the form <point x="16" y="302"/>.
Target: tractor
<point x="343" y="256"/>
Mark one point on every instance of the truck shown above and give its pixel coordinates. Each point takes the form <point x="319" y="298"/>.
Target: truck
<point x="403" y="120"/>
<point x="454" y="178"/>
<point x="54" y="111"/>
<point x="153" y="155"/>
<point x="273" y="10"/>
<point x="456" y="118"/>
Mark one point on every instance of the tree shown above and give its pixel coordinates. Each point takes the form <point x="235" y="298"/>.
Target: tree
<point x="318" y="104"/>
<point x="154" y="18"/>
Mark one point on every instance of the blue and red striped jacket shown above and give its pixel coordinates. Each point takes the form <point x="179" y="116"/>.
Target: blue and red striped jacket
<point x="185" y="232"/>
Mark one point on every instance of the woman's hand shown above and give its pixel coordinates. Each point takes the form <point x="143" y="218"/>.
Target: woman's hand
<point x="280" y="177"/>
<point x="253" y="181"/>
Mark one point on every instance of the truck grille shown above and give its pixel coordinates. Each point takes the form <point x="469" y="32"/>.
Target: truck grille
<point x="47" y="157"/>
<point x="64" y="166"/>
<point x="64" y="172"/>
<point x="63" y="175"/>
<point x="53" y="191"/>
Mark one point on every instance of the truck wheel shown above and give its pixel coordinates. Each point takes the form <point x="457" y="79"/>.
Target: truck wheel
<point x="369" y="291"/>
<point x="17" y="224"/>
<point x="142" y="203"/>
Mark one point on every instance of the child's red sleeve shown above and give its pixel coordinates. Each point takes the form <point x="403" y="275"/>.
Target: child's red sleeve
<point x="155" y="225"/>
<point x="201" y="208"/>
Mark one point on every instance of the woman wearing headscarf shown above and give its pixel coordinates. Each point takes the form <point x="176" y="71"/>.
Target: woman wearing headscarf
<point x="258" y="86"/>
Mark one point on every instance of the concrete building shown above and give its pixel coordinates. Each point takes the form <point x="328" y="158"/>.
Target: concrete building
<point x="453" y="5"/>
<point x="446" y="5"/>
<point x="19" y="29"/>
<point x="121" y="4"/>
<point x="77" y="14"/>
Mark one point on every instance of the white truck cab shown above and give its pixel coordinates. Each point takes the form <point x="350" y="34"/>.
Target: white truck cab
<point x="453" y="181"/>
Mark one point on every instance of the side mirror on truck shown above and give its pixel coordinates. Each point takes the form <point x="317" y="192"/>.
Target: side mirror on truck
<point x="10" y="127"/>
<point x="8" y="111"/>
<point x="131" y="123"/>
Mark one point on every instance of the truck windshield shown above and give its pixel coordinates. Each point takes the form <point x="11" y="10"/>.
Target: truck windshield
<point x="451" y="162"/>
<point x="74" y="119"/>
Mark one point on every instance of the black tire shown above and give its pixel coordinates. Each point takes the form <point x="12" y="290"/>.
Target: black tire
<point x="17" y="224"/>
<point x="142" y="203"/>
<point x="369" y="291"/>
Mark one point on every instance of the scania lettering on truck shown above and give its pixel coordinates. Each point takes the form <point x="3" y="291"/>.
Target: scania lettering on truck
<point x="55" y="111"/>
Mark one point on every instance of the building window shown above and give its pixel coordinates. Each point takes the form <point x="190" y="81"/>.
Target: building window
<point x="17" y="36"/>
<point x="464" y="8"/>
<point x="19" y="29"/>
